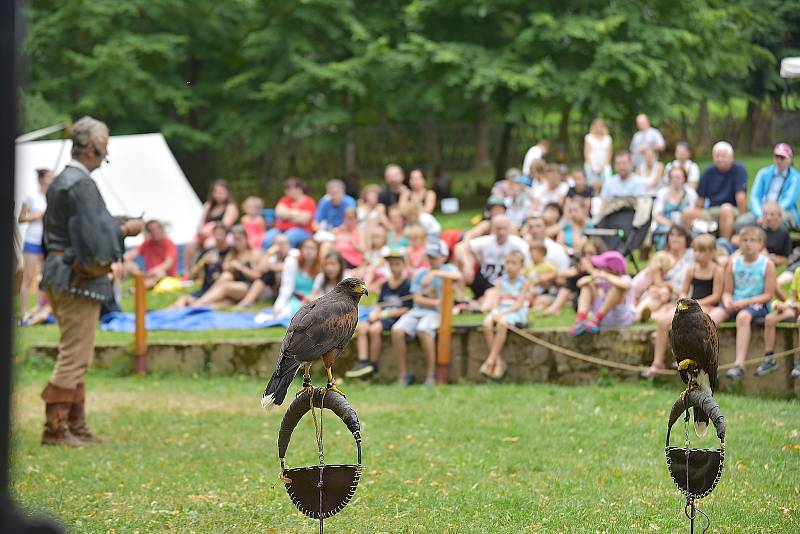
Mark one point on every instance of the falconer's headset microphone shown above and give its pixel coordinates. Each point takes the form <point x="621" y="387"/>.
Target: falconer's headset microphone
<point x="100" y="155"/>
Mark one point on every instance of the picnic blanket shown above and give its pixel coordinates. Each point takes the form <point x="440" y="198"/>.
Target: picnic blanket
<point x="192" y="319"/>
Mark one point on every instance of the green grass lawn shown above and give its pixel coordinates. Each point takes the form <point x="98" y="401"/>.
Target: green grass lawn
<point x="198" y="455"/>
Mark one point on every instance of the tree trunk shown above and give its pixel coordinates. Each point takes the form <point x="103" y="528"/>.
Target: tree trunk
<point x="349" y="153"/>
<point x="703" y="141"/>
<point x="747" y="130"/>
<point x="501" y="162"/>
<point x="684" y="127"/>
<point x="433" y="146"/>
<point x="482" y="161"/>
<point x="562" y="144"/>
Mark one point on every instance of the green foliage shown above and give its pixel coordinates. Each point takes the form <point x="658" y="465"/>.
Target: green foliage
<point x="254" y="78"/>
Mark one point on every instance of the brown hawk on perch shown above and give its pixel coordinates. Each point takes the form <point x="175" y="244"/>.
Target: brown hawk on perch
<point x="319" y="329"/>
<point x="695" y="345"/>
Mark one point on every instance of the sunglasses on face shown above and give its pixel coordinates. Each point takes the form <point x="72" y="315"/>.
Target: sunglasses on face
<point x="779" y="156"/>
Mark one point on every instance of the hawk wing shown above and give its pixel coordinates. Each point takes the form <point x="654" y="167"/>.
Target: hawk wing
<point x="320" y="326"/>
<point x="711" y="350"/>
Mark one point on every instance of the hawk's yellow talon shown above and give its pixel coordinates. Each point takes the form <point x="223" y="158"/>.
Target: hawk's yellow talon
<point x="686" y="363"/>
<point x="334" y="388"/>
<point x="304" y="389"/>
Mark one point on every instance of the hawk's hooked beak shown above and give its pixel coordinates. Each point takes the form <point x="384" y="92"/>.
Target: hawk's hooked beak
<point x="682" y="306"/>
<point x="362" y="289"/>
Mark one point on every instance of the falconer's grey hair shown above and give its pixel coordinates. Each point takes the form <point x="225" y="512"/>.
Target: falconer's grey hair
<point x="85" y="132"/>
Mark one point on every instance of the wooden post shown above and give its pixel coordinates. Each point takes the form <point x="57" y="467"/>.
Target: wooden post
<point x="445" y="333"/>
<point x="140" y="309"/>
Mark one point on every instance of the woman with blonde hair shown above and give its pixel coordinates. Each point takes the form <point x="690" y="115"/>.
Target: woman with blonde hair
<point x="598" y="149"/>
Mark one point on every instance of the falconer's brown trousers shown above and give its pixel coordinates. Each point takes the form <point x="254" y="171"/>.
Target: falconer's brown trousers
<point x="65" y="393"/>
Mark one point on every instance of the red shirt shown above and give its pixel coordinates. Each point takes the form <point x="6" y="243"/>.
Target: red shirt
<point x="156" y="252"/>
<point x="306" y="204"/>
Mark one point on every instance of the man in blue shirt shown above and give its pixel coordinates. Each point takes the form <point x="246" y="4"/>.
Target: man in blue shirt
<point x="780" y="182"/>
<point x="625" y="183"/>
<point x="330" y="210"/>
<point x="722" y="193"/>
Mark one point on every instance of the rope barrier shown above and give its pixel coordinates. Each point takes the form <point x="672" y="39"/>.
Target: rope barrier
<point x="625" y="366"/>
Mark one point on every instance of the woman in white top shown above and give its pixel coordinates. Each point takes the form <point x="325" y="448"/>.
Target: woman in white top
<point x="598" y="149"/>
<point x="32" y="212"/>
<point x="651" y="171"/>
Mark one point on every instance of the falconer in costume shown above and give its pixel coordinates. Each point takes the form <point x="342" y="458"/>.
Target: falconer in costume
<point x="320" y="329"/>
<point x="695" y="345"/>
<point x="81" y="241"/>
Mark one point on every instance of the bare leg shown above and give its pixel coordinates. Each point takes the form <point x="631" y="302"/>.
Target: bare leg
<point x="188" y="257"/>
<point x="500" y="336"/>
<point x="770" y="326"/>
<point x="399" y="348"/>
<point x="362" y="341"/>
<point x="32" y="265"/>
<point x="743" y="333"/>
<point x="660" y="346"/>
<point x="250" y="298"/>
<point x="614" y="297"/>
<point x="719" y="315"/>
<point x="428" y="343"/>
<point x="585" y="298"/>
<point x="488" y="331"/>
<point x="690" y="214"/>
<point x="727" y="221"/>
<point x="375" y="341"/>
<point x="562" y="297"/>
<point x="223" y="291"/>
<point x="215" y="292"/>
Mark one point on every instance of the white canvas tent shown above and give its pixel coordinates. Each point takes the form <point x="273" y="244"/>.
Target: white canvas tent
<point x="142" y="176"/>
<point x="790" y="68"/>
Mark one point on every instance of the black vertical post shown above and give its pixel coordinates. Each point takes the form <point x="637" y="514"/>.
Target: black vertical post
<point x="10" y="521"/>
<point x="8" y="130"/>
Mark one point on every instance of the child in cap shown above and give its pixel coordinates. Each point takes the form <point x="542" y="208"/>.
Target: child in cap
<point x="508" y="305"/>
<point x="749" y="283"/>
<point x="605" y="292"/>
<point x="424" y="316"/>
<point x="394" y="301"/>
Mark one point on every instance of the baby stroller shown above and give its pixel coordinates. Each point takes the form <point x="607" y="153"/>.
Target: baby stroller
<point x="624" y="224"/>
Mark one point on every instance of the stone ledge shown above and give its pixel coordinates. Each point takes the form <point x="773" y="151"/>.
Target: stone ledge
<point x="528" y="362"/>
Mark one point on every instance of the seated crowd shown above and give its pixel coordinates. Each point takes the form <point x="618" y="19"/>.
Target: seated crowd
<point x="533" y="250"/>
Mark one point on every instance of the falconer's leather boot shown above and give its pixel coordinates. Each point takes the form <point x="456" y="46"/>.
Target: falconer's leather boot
<point x="77" y="416"/>
<point x="56" y="428"/>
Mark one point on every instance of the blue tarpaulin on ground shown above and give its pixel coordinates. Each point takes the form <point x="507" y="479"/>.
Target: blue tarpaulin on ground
<point x="197" y="319"/>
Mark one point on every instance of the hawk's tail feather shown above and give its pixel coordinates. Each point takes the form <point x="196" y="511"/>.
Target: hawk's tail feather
<point x="276" y="389"/>
<point x="700" y="422"/>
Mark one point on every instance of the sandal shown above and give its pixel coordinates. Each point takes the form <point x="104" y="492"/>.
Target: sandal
<point x="487" y="369"/>
<point x="500" y="370"/>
